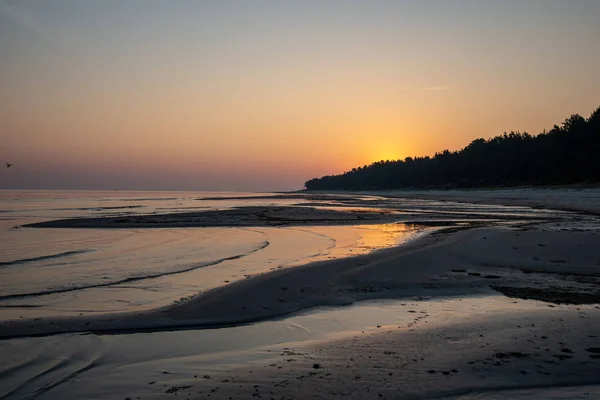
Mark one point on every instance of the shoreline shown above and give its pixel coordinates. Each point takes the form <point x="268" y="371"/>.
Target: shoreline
<point x="99" y="323"/>
<point x="481" y="310"/>
<point x="458" y="263"/>
<point x="586" y="200"/>
<point x="429" y="266"/>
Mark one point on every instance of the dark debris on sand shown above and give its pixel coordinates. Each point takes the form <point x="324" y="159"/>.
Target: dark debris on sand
<point x="550" y="295"/>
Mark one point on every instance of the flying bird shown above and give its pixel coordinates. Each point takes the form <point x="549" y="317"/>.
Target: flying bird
<point x="8" y="165"/>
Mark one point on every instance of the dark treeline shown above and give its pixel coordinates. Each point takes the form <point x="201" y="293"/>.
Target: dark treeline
<point x="566" y="154"/>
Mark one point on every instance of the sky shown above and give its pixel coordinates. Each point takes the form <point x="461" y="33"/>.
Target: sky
<point x="264" y="95"/>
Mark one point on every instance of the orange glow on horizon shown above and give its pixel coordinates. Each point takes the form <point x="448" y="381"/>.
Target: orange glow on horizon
<point x="234" y="95"/>
<point x="387" y="153"/>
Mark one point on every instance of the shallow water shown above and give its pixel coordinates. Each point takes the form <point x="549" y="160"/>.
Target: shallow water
<point x="107" y="366"/>
<point x="94" y="365"/>
<point x="81" y="271"/>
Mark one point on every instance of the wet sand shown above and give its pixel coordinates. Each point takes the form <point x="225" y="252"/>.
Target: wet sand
<point x="244" y="216"/>
<point x="583" y="200"/>
<point x="445" y="264"/>
<point x="465" y="349"/>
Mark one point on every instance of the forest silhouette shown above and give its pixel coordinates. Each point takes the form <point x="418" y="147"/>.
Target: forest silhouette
<point x="567" y="154"/>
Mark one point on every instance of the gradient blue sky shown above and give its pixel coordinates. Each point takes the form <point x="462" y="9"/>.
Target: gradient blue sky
<point x="263" y="95"/>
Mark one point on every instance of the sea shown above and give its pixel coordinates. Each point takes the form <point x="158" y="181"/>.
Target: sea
<point x="61" y="272"/>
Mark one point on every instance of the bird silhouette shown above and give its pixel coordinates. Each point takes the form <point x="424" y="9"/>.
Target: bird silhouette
<point x="8" y="165"/>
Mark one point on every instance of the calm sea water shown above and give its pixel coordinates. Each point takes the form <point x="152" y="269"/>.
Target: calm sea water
<point x="81" y="271"/>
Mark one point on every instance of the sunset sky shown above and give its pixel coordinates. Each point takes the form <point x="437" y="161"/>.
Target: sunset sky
<point x="264" y="95"/>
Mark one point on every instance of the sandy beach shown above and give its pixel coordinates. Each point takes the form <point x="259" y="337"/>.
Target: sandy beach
<point x="585" y="200"/>
<point x="291" y="200"/>
<point x="495" y="308"/>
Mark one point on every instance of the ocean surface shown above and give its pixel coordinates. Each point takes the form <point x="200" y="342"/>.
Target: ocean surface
<point x="47" y="271"/>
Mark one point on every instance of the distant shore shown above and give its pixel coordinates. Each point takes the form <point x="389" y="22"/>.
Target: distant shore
<point x="570" y="198"/>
